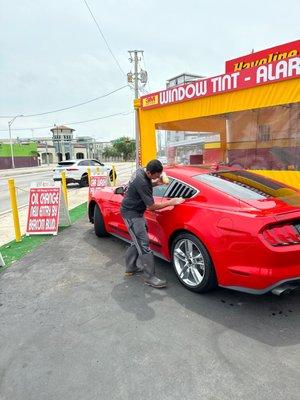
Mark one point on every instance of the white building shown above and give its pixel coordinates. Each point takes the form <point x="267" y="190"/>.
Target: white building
<point x="64" y="146"/>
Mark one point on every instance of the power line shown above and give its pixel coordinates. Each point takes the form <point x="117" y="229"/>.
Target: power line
<point x="103" y="37"/>
<point x="71" y="123"/>
<point x="68" y="108"/>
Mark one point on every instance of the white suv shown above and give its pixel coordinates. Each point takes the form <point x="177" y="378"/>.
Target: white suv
<point x="77" y="170"/>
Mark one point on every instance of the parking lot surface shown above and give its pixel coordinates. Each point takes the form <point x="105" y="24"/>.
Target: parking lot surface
<point x="72" y="327"/>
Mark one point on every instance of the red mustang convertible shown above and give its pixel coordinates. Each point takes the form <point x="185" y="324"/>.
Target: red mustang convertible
<point x="236" y="229"/>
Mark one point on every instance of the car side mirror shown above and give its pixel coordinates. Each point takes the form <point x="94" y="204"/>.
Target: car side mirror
<point x="119" y="190"/>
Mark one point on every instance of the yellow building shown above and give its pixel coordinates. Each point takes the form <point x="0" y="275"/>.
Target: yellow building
<point x="255" y="110"/>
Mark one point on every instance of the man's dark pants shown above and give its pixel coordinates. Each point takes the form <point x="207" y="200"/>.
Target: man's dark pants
<point x="139" y="251"/>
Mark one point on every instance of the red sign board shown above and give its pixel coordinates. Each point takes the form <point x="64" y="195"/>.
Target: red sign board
<point x="43" y="211"/>
<point x="246" y="78"/>
<point x="97" y="182"/>
<point x="263" y="57"/>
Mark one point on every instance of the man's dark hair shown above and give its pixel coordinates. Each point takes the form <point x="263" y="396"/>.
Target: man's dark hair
<point x="154" y="166"/>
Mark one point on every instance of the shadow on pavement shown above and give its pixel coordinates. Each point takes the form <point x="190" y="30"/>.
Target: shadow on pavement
<point x="266" y="318"/>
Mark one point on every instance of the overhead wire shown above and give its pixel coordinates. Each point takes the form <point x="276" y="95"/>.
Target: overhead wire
<point x="82" y="103"/>
<point x="70" y="123"/>
<point x="69" y="107"/>
<point x="103" y="37"/>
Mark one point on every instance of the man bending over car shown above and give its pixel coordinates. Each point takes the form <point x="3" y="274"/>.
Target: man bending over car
<point x="137" y="199"/>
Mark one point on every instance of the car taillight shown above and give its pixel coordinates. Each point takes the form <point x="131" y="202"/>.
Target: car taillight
<point x="283" y="235"/>
<point x="72" y="169"/>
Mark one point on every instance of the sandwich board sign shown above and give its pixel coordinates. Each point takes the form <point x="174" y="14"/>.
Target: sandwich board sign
<point x="97" y="182"/>
<point x="47" y="210"/>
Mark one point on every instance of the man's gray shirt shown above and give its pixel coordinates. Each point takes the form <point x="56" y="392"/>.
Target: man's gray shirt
<point x="138" y="196"/>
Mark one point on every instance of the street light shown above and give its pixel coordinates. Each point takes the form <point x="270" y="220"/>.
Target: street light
<point x="10" y="138"/>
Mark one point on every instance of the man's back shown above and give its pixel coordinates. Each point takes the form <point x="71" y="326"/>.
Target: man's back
<point x="138" y="196"/>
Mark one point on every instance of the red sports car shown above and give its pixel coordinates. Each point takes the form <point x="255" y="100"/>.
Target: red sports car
<point x="236" y="229"/>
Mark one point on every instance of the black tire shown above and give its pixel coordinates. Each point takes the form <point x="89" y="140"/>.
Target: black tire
<point x="203" y="267"/>
<point x="112" y="174"/>
<point x="99" y="226"/>
<point x="84" y="181"/>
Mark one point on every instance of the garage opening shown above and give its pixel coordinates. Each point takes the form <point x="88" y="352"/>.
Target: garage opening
<point x="264" y="138"/>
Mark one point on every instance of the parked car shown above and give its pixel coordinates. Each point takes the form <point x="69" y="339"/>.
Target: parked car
<point x="236" y="229"/>
<point x="77" y="170"/>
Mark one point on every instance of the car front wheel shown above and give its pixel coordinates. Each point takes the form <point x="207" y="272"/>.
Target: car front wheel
<point x="192" y="264"/>
<point x="112" y="175"/>
<point x="99" y="226"/>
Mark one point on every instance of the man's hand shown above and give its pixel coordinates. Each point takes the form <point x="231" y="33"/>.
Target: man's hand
<point x="176" y="201"/>
<point x="157" y="182"/>
<point x="169" y="203"/>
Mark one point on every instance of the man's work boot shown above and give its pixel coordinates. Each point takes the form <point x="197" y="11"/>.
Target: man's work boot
<point x="149" y="272"/>
<point x="131" y="257"/>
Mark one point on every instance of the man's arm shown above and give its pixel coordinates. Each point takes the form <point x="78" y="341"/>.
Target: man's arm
<point x="169" y="203"/>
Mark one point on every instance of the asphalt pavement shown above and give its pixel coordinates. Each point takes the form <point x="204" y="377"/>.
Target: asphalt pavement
<point x="22" y="183"/>
<point x="72" y="327"/>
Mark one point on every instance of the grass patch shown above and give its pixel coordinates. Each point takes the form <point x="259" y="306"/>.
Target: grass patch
<point x="14" y="251"/>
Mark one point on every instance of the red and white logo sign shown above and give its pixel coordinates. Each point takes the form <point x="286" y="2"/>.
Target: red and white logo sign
<point x="98" y="181"/>
<point x="43" y="211"/>
<point x="263" y="57"/>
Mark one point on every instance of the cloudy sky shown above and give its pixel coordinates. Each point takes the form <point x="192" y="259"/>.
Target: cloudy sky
<point x="52" y="55"/>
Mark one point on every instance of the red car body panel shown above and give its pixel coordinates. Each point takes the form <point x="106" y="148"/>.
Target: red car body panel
<point x="230" y="229"/>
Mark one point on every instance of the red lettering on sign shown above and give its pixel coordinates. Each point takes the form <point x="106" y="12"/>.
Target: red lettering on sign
<point x="43" y="210"/>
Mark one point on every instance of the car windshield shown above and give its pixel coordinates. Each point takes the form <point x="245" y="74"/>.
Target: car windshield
<point x="246" y="185"/>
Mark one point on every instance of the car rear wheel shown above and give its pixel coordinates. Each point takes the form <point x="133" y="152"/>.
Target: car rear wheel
<point x="99" y="226"/>
<point x="112" y="175"/>
<point x="84" y="181"/>
<point x="192" y="264"/>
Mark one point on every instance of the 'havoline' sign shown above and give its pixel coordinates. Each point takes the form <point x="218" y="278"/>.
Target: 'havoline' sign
<point x="274" y="72"/>
<point x="262" y="57"/>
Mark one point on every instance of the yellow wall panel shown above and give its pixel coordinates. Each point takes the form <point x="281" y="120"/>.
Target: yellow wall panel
<point x="261" y="96"/>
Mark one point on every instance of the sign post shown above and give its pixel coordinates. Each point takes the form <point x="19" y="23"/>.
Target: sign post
<point x="2" y="263"/>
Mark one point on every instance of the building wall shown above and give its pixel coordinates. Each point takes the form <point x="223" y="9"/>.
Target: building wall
<point x="20" y="162"/>
<point x="25" y="155"/>
<point x="52" y="155"/>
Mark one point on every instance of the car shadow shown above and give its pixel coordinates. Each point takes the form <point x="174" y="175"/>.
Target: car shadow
<point x="72" y="186"/>
<point x="270" y="319"/>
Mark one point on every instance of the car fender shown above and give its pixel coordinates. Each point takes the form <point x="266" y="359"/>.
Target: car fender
<point x="186" y="228"/>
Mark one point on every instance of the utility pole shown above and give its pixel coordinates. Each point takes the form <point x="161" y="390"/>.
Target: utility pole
<point x="47" y="154"/>
<point x="134" y="78"/>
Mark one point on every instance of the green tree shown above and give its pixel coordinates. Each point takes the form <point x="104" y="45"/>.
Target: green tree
<point x="110" y="152"/>
<point x="125" y="147"/>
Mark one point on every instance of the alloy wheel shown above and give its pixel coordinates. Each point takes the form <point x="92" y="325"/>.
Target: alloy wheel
<point x="189" y="262"/>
